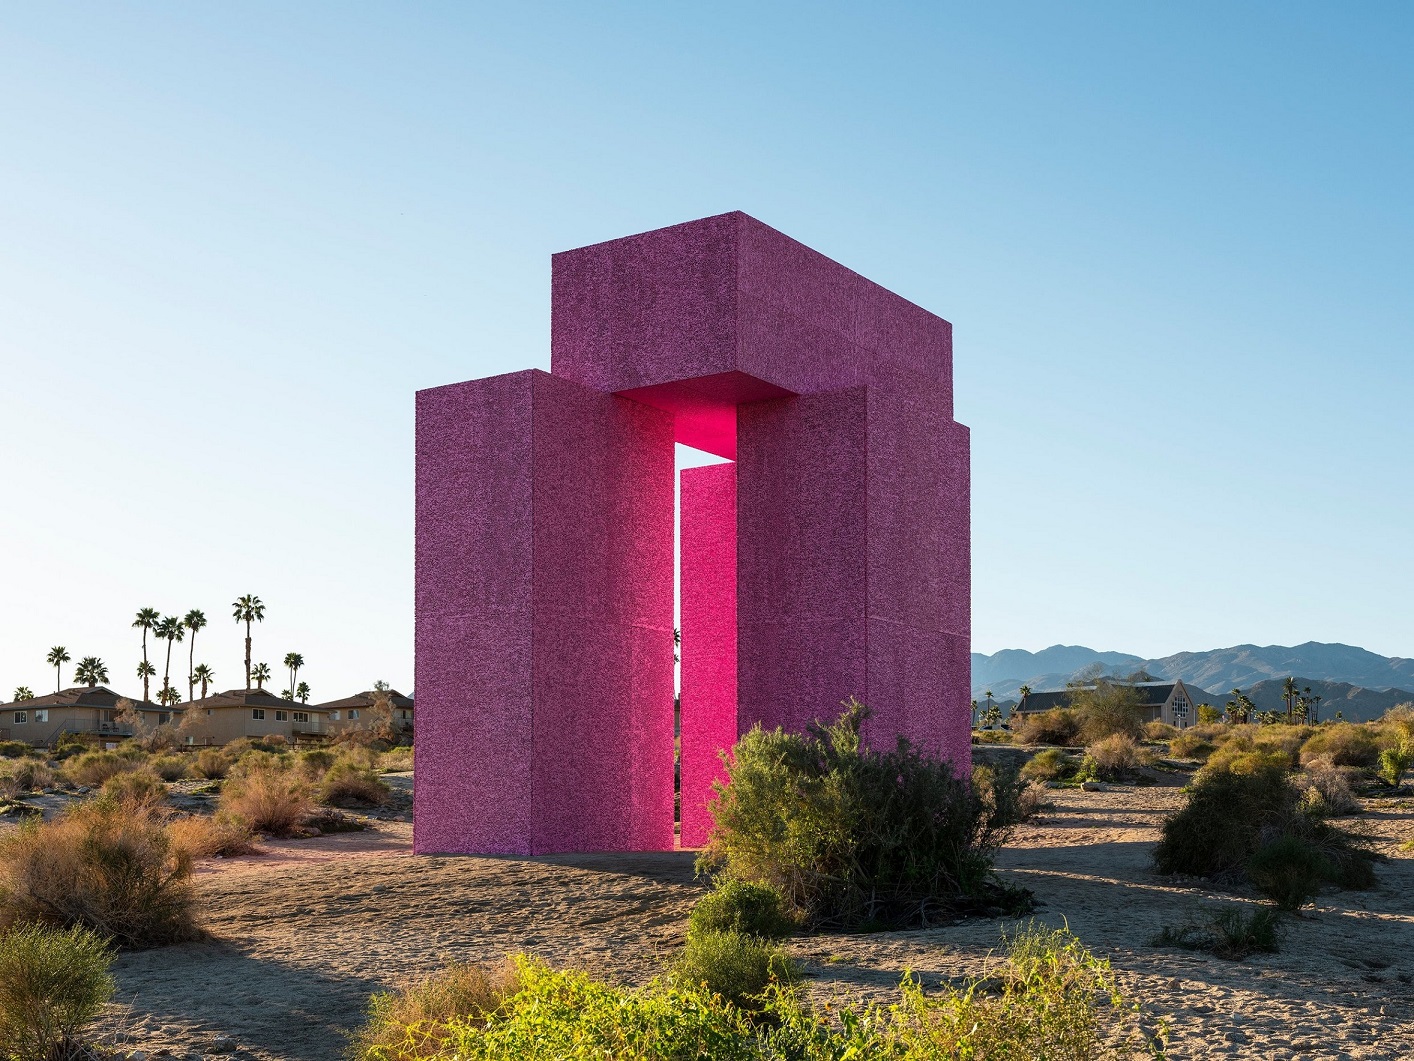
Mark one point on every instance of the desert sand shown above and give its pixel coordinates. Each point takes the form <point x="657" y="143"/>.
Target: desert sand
<point x="302" y="934"/>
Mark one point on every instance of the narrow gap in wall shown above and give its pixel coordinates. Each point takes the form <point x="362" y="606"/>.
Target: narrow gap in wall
<point x="683" y="457"/>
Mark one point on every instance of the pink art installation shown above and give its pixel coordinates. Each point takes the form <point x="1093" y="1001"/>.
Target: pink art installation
<point x="830" y="559"/>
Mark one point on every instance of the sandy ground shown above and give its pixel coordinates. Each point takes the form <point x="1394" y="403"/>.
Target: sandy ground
<point x="304" y="933"/>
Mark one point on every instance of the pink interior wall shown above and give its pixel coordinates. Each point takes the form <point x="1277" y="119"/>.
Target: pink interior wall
<point x="709" y="637"/>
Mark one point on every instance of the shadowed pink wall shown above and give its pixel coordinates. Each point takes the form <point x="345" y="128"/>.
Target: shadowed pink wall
<point x="832" y="559"/>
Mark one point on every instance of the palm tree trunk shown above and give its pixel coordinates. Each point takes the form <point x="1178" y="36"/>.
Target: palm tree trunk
<point x="167" y="672"/>
<point x="145" y="690"/>
<point x="191" y="663"/>
<point x="58" y="681"/>
<point x="247" y="653"/>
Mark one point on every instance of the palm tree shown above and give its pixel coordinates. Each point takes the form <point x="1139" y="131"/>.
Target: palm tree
<point x="24" y="692"/>
<point x="974" y="714"/>
<point x="194" y="620"/>
<point x="294" y="661"/>
<point x="147" y="619"/>
<point x="91" y="670"/>
<point x="145" y="670"/>
<point x="205" y="675"/>
<point x="1288" y="693"/>
<point x="172" y="629"/>
<point x="248" y="609"/>
<point x="302" y="692"/>
<point x="58" y="656"/>
<point x="1025" y="691"/>
<point x="261" y="675"/>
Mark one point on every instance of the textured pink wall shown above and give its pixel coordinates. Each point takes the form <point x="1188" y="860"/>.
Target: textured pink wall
<point x="544" y="603"/>
<point x="709" y="637"/>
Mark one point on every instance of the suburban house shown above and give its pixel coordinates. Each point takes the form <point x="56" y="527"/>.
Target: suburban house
<point x="1170" y="702"/>
<point x="44" y="719"/>
<point x="353" y="712"/>
<point x="224" y="717"/>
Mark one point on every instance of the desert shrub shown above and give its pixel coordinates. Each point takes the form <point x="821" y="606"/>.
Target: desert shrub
<point x="1160" y="731"/>
<point x="1189" y="744"/>
<point x="257" y="761"/>
<point x="741" y="906"/>
<point x="1325" y="789"/>
<point x="1208" y="715"/>
<point x="169" y="767"/>
<point x="212" y="763"/>
<point x="68" y="745"/>
<point x="330" y="820"/>
<point x="1058" y="726"/>
<point x="131" y="750"/>
<point x="314" y="762"/>
<point x="853" y="836"/>
<point x="206" y="836"/>
<point x="1108" y="709"/>
<point x="1241" y="754"/>
<point x="1289" y="871"/>
<point x="136" y="790"/>
<point x="94" y="768"/>
<point x="14" y="749"/>
<point x="1049" y="764"/>
<point x="1033" y="801"/>
<point x="102" y="865"/>
<point x="736" y="966"/>
<point x="1395" y="761"/>
<point x="412" y="1024"/>
<point x="1226" y="932"/>
<point x="269" y="800"/>
<point x="1343" y="743"/>
<point x="18" y="777"/>
<point x="1115" y="758"/>
<point x="346" y="784"/>
<point x="396" y="760"/>
<point x="1231" y="815"/>
<point x="53" y="984"/>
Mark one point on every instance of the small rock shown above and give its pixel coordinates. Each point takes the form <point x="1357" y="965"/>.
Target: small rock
<point x="138" y="1055"/>
<point x="222" y="1044"/>
<point x="379" y="889"/>
<point x="1092" y="786"/>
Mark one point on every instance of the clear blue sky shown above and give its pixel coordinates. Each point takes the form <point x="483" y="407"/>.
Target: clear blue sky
<point x="1175" y="242"/>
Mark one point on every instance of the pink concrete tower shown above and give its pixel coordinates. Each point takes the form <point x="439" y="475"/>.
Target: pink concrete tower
<point x="830" y="559"/>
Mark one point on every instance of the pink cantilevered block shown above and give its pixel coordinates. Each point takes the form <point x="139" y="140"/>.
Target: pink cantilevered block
<point x="544" y="619"/>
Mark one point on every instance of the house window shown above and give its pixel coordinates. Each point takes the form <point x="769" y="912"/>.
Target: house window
<point x="353" y="714"/>
<point x="108" y="715"/>
<point x="333" y="716"/>
<point x="21" y="717"/>
<point x="208" y="711"/>
<point x="258" y="713"/>
<point x="41" y="714"/>
<point x="281" y="716"/>
<point x="301" y="716"/>
<point x="163" y="717"/>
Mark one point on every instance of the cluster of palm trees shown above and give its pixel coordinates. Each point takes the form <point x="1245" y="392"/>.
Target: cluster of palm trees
<point x="246" y="609"/>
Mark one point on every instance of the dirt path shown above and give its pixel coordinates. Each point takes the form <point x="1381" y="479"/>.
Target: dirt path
<point x="302" y="936"/>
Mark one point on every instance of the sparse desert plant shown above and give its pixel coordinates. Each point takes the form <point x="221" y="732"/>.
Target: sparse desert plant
<point x="1289" y="870"/>
<point x="101" y="865"/>
<point x="1034" y="801"/>
<point x="396" y="760"/>
<point x="346" y="784"/>
<point x="136" y="790"/>
<point x="169" y="767"/>
<point x="329" y="820"/>
<point x="1189" y="744"/>
<point x="741" y="906"/>
<point x="94" y="768"/>
<point x="1049" y="764"/>
<point x="1325" y="789"/>
<point x="269" y="800"/>
<point x="53" y="984"/>
<point x="1160" y="731"/>
<point x="315" y="761"/>
<point x="20" y="776"/>
<point x="412" y="1024"/>
<point x="1343" y="743"/>
<point x="213" y="764"/>
<point x="1395" y="761"/>
<point x="851" y="836"/>
<point x="1240" y="754"/>
<point x="1116" y="758"/>
<point x="734" y="965"/>
<point x="206" y="836"/>
<point x="1107" y="709"/>
<point x="1208" y="715"/>
<point x="1059" y="727"/>
<point x="14" y="749"/>
<point x="1226" y="932"/>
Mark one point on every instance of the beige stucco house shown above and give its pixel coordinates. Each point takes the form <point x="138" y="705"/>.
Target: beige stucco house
<point x="44" y="719"/>
<point x="224" y="717"/>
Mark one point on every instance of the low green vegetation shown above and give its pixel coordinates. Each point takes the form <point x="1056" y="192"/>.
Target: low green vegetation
<point x="1226" y="932"/>
<point x="856" y="838"/>
<point x="53" y="984"/>
<point x="1048" y="998"/>
<point x="742" y="906"/>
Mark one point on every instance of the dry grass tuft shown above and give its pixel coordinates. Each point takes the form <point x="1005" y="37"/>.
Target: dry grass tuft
<point x="411" y="1025"/>
<point x="202" y="836"/>
<point x="269" y="800"/>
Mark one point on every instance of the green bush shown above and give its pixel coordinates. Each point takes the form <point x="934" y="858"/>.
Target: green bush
<point x="1343" y="743"/>
<point x="412" y="1024"/>
<point x="102" y="865"/>
<point x="136" y="789"/>
<point x="1190" y="745"/>
<point x="1115" y="758"/>
<point x="14" y="749"/>
<point x="53" y="983"/>
<point x="347" y="784"/>
<point x="21" y="776"/>
<point x="1049" y="764"/>
<point x="94" y="768"/>
<point x="1058" y="726"/>
<point x="1289" y="871"/>
<point x="316" y="761"/>
<point x="856" y="837"/>
<point x="170" y="767"/>
<point x="1108" y="710"/>
<point x="1227" y="933"/>
<point x="1396" y="760"/>
<point x="736" y="966"/>
<point x="213" y="764"/>
<point x="741" y="906"/>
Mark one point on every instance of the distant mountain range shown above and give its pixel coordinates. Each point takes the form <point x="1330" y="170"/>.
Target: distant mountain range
<point x="1358" y="683"/>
